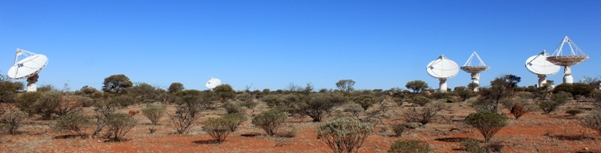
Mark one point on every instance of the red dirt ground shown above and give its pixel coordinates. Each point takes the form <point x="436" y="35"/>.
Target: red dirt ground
<point x="534" y="132"/>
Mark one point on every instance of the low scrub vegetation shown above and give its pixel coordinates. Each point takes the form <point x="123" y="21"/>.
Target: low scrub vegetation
<point x="409" y="146"/>
<point x="270" y="121"/>
<point x="487" y="123"/>
<point x="344" y="135"/>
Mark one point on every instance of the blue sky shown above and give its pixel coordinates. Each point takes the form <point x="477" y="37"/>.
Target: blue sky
<point x="272" y="43"/>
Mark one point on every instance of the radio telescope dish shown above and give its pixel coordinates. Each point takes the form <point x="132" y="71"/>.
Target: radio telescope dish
<point x="475" y="70"/>
<point x="539" y="65"/>
<point x="575" y="57"/>
<point x="442" y="68"/>
<point x="212" y="83"/>
<point x="28" y="67"/>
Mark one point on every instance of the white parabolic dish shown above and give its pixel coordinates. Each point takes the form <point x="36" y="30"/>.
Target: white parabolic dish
<point x="538" y="64"/>
<point x="213" y="82"/>
<point x="443" y="68"/>
<point x="28" y="66"/>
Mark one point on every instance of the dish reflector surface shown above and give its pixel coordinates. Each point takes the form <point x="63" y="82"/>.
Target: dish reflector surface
<point x="28" y="66"/>
<point x="213" y="82"/>
<point x="442" y="68"/>
<point x="538" y="64"/>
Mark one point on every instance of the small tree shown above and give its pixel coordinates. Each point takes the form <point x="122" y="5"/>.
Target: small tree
<point x="184" y="118"/>
<point x="487" y="123"/>
<point x="592" y="121"/>
<point x="47" y="104"/>
<point x="417" y="86"/>
<point x="225" y="92"/>
<point x="218" y="128"/>
<point x="366" y="100"/>
<point x="270" y="120"/>
<point x="116" y="84"/>
<point x="13" y="118"/>
<point x="74" y="123"/>
<point x="154" y="112"/>
<point x="409" y="146"/>
<point x="119" y="124"/>
<point x="346" y="85"/>
<point x="344" y="135"/>
<point x="320" y="105"/>
<point x="175" y="87"/>
<point x="236" y="118"/>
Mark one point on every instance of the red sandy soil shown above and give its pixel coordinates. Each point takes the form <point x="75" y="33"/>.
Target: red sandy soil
<point x="534" y="132"/>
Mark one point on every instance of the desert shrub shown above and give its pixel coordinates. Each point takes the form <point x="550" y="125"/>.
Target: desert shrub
<point x="25" y="100"/>
<point x="154" y="112"/>
<point x="423" y="115"/>
<point x="119" y="124"/>
<point x="366" y="100"/>
<point x="344" y="135"/>
<point x="574" y="89"/>
<point x="270" y="120"/>
<point x="13" y="118"/>
<point x="218" y="128"/>
<point x="271" y="100"/>
<point x="557" y="99"/>
<point x="517" y="106"/>
<point x="225" y="92"/>
<point x="525" y="95"/>
<point x="249" y="104"/>
<point x="409" y="146"/>
<point x="47" y="104"/>
<point x="71" y="104"/>
<point x="244" y="97"/>
<point x="320" y="105"/>
<point x="420" y="100"/>
<point x="472" y="146"/>
<point x="487" y="123"/>
<point x="574" y="112"/>
<point x="73" y="123"/>
<point x="184" y="118"/>
<point x="102" y="110"/>
<point x="236" y="118"/>
<point x="398" y="129"/>
<point x="232" y="108"/>
<point x="592" y="121"/>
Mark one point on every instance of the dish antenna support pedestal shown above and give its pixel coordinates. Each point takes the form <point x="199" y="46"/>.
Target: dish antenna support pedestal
<point x="29" y="67"/>
<point x="575" y="57"/>
<point x="442" y="68"/>
<point x="475" y="70"/>
<point x="539" y="65"/>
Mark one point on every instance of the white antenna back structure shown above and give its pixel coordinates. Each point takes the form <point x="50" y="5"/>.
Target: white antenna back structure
<point x="28" y="67"/>
<point x="212" y="83"/>
<point x="575" y="57"/>
<point x="475" y="70"/>
<point x="539" y="65"/>
<point x="442" y="68"/>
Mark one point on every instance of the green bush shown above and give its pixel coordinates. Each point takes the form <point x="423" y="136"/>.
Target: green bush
<point x="409" y="146"/>
<point x="74" y="123"/>
<point x="472" y="146"/>
<point x="218" y="128"/>
<point x="270" y="120"/>
<point x="344" y="135"/>
<point x="592" y="121"/>
<point x="320" y="105"/>
<point x="154" y="112"/>
<point x="232" y="108"/>
<point x="225" y="92"/>
<point x="236" y="118"/>
<point x="47" y="104"/>
<point x="119" y="125"/>
<point x="13" y="119"/>
<point x="25" y="101"/>
<point x="420" y="100"/>
<point x="366" y="100"/>
<point x="487" y="123"/>
<point x="184" y="118"/>
<point x="557" y="99"/>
